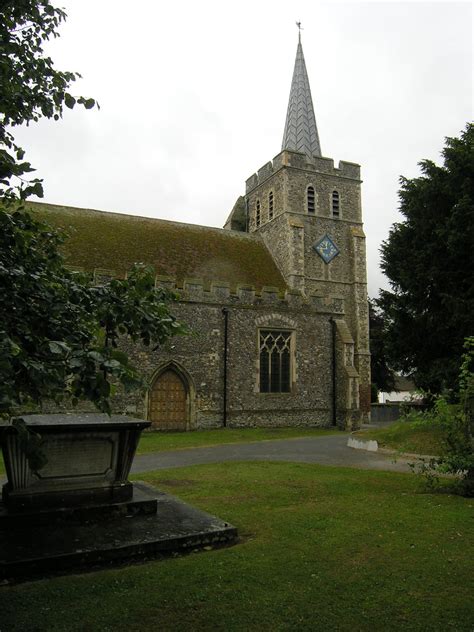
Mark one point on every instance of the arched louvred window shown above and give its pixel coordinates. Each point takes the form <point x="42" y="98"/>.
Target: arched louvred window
<point x="336" y="204"/>
<point x="270" y="205"/>
<point x="257" y="214"/>
<point x="310" y="200"/>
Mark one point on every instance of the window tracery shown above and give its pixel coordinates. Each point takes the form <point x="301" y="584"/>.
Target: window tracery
<point x="275" y="361"/>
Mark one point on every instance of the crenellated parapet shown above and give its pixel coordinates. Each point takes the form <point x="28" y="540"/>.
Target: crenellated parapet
<point x="298" y="160"/>
<point x="222" y="293"/>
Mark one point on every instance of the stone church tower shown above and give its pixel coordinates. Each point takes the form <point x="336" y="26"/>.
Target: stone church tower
<point x="276" y="302"/>
<point x="308" y="212"/>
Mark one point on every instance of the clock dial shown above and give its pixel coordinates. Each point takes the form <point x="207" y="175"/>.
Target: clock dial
<point x="326" y="248"/>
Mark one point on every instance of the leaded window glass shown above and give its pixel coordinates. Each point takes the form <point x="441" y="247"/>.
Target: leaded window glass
<point x="257" y="214"/>
<point x="275" y="361"/>
<point x="270" y="205"/>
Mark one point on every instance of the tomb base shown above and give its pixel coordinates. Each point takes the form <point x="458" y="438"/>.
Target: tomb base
<point x="153" y="524"/>
<point x="80" y="511"/>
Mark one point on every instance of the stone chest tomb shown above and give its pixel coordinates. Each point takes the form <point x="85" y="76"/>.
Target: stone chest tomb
<point x="88" y="456"/>
<point x="80" y="509"/>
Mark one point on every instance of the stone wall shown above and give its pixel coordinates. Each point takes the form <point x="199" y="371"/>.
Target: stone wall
<point x="200" y="358"/>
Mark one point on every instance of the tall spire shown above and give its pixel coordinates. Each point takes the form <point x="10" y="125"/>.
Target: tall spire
<point x="301" y="133"/>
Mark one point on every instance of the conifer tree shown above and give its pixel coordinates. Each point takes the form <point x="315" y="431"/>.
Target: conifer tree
<point x="429" y="261"/>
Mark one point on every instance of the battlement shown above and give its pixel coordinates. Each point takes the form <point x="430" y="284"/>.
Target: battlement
<point x="297" y="160"/>
<point x="221" y="293"/>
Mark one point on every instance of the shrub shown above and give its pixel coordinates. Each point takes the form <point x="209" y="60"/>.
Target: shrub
<point x="457" y="423"/>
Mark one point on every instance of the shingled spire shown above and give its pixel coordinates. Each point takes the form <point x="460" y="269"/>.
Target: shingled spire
<point x="301" y="133"/>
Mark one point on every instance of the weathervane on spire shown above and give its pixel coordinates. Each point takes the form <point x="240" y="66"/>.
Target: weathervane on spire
<point x="300" y="28"/>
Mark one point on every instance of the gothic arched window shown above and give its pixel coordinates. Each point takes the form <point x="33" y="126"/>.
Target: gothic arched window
<point x="310" y="200"/>
<point x="257" y="214"/>
<point x="336" y="204"/>
<point x="275" y="361"/>
<point x="270" y="205"/>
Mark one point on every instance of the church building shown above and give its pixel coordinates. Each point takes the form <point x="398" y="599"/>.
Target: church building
<point x="276" y="300"/>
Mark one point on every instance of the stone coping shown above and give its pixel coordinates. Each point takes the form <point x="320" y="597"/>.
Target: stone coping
<point x="90" y="421"/>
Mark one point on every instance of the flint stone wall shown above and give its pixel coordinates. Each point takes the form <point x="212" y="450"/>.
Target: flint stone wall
<point x="200" y="356"/>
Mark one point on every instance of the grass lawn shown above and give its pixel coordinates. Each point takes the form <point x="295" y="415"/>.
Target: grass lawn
<point x="407" y="437"/>
<point x="323" y="548"/>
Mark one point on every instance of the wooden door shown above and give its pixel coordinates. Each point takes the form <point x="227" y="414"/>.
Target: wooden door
<point x="168" y="402"/>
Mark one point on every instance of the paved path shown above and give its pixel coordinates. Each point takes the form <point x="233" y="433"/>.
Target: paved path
<point x="328" y="450"/>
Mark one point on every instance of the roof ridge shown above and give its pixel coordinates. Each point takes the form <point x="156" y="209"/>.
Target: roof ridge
<point x="238" y="234"/>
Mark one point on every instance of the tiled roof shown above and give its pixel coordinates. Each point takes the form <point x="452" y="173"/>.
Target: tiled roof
<point x="301" y="133"/>
<point x="112" y="241"/>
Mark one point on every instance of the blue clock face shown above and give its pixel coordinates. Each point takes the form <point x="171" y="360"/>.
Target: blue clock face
<point x="326" y="248"/>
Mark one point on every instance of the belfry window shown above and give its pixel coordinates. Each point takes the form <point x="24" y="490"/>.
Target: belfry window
<point x="336" y="204"/>
<point x="257" y="214"/>
<point x="310" y="200"/>
<point x="270" y="205"/>
<point x="275" y="361"/>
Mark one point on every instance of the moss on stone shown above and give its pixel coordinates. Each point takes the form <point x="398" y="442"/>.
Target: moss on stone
<point x="112" y="241"/>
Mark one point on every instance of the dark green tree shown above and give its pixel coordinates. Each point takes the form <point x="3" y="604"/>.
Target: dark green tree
<point x="383" y="378"/>
<point x="59" y="333"/>
<point x="428" y="259"/>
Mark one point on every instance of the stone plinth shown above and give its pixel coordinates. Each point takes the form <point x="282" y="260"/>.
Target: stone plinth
<point x="89" y="460"/>
<point x="134" y="533"/>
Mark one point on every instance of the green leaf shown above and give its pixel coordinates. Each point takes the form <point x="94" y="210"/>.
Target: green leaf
<point x="55" y="348"/>
<point x="38" y="190"/>
<point x="111" y="364"/>
<point x="69" y="100"/>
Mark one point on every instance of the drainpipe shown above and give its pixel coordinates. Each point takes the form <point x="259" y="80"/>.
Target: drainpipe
<point x="334" y="400"/>
<point x="225" y="312"/>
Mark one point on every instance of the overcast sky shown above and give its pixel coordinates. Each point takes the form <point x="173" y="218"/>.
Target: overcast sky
<point x="193" y="99"/>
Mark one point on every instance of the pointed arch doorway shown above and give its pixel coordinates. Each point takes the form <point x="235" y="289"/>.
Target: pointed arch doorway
<point x="169" y="400"/>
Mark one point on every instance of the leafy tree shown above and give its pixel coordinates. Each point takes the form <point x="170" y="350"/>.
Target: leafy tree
<point x="31" y="87"/>
<point x="59" y="333"/>
<point x="428" y="259"/>
<point x="383" y="378"/>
